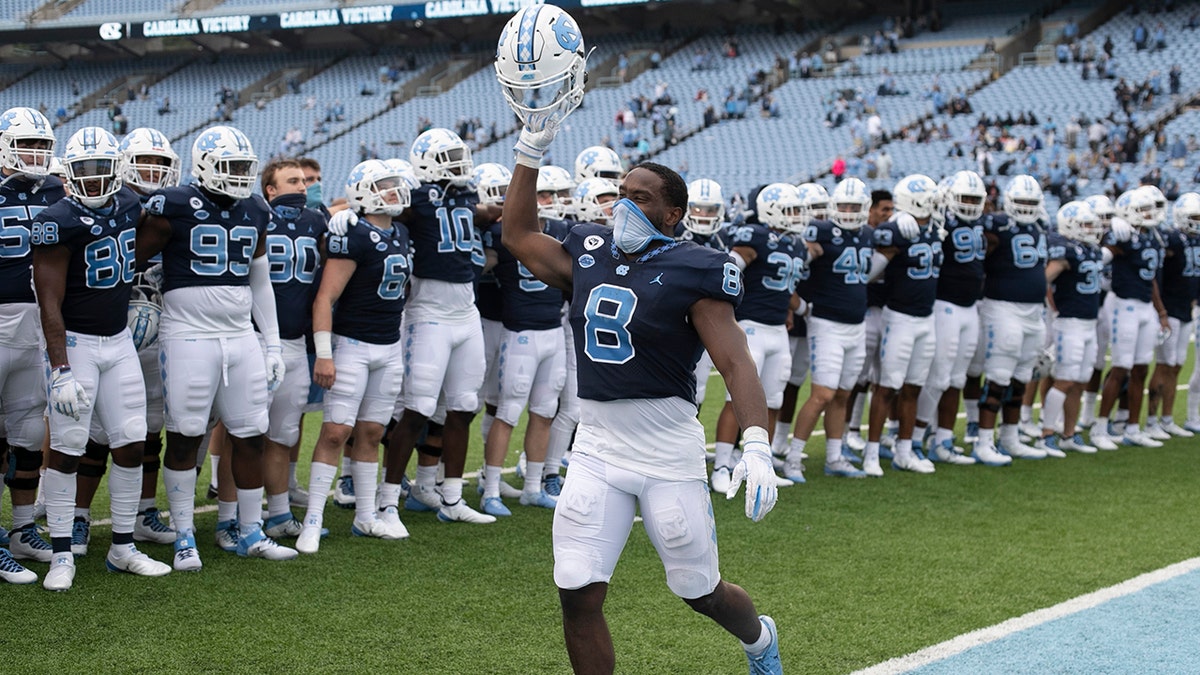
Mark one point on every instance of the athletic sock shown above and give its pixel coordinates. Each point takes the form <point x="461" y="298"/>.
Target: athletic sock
<point x="366" y="480"/>
<point x="292" y="482"/>
<point x="1052" y="409"/>
<point x="226" y="511"/>
<point x="724" y="455"/>
<point x="345" y="465"/>
<point x="426" y="476"/>
<point x="871" y="452"/>
<point x="214" y="476"/>
<point x="277" y="505"/>
<point x="833" y="448"/>
<point x="181" y="497"/>
<point x="1087" y="411"/>
<point x="485" y="425"/>
<point x="760" y="645"/>
<point x="1027" y="413"/>
<point x="86" y="514"/>
<point x="320" y="478"/>
<point x="451" y="490"/>
<point x="145" y="504"/>
<point x="779" y="441"/>
<point x="971" y="407"/>
<point x="796" y="449"/>
<point x="389" y="494"/>
<point x="533" y="478"/>
<point x="942" y="435"/>
<point x="59" y="489"/>
<point x="1009" y="435"/>
<point x="124" y="489"/>
<point x="904" y="448"/>
<point x="249" y="501"/>
<point x="491" y="481"/>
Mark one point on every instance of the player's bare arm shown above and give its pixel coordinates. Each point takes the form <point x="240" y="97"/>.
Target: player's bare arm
<point x="334" y="278"/>
<point x="726" y="344"/>
<point x="153" y="233"/>
<point x="50" y="265"/>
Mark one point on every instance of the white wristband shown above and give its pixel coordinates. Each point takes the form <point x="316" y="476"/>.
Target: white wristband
<point x="755" y="435"/>
<point x="323" y="344"/>
<point x="738" y="260"/>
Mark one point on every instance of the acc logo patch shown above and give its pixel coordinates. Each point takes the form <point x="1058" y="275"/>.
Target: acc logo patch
<point x="593" y="242"/>
<point x="586" y="261"/>
<point x="375" y="237"/>
<point x="86" y="220"/>
<point x="195" y="202"/>
<point x="202" y="214"/>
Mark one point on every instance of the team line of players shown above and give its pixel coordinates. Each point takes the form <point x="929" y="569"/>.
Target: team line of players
<point x="415" y="314"/>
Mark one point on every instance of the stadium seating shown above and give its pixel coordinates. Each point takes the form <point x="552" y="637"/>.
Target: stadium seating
<point x="15" y="12"/>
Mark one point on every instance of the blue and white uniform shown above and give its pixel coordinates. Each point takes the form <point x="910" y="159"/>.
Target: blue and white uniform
<point x="771" y="280"/>
<point x="1077" y="300"/>
<point x="368" y="353"/>
<point x="836" y="289"/>
<point x="955" y="311"/>
<point x="293" y="249"/>
<point x="907" y="343"/>
<point x="100" y="348"/>
<point x="22" y="368"/>
<point x="1012" y="316"/>
<point x="532" y="363"/>
<point x="489" y="302"/>
<point x="444" y="350"/>
<point x="1133" y="321"/>
<point x="718" y="241"/>
<point x="211" y="360"/>
<point x="639" y="442"/>
<point x="1179" y="283"/>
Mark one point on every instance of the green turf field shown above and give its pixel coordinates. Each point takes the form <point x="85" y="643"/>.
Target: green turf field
<point x="854" y="572"/>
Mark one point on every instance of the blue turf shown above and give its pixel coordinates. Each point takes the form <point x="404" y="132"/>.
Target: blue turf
<point x="1151" y="631"/>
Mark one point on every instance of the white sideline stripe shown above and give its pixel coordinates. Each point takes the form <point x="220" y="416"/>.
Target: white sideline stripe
<point x="983" y="636"/>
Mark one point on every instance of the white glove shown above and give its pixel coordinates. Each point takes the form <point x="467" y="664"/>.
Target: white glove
<point x="756" y="468"/>
<point x="1164" y="334"/>
<point x="537" y="134"/>
<point x="909" y="229"/>
<point x="341" y="222"/>
<point x="154" y="275"/>
<point x="275" y="367"/>
<point x="66" y="394"/>
<point x="1121" y="229"/>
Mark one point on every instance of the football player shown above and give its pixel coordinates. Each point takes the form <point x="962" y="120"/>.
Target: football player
<point x="773" y="256"/>
<point x="1102" y="207"/>
<point x="26" y="188"/>
<point x="1138" y="316"/>
<point x="83" y="268"/>
<point x="839" y="254"/>
<point x="1179" y="285"/>
<point x="956" y="317"/>
<point x="594" y="198"/>
<point x="643" y="304"/>
<point x="1011" y="318"/>
<point x="212" y="236"/>
<point x="489" y="180"/>
<point x="361" y="302"/>
<point x="705" y="225"/>
<point x="532" y="370"/>
<point x="908" y="257"/>
<point x="1073" y="273"/>
<point x="598" y="162"/>
<point x="294" y="240"/>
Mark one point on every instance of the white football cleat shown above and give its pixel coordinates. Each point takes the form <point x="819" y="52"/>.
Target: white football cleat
<point x="62" y="573"/>
<point x="1176" y="430"/>
<point x="780" y="481"/>
<point x="26" y="544"/>
<point x="946" y="453"/>
<point x="1140" y="439"/>
<point x="148" y="527"/>
<point x="127" y="558"/>
<point x="256" y="544"/>
<point x="1076" y="444"/>
<point x="870" y="466"/>
<point x="187" y="558"/>
<point x="722" y="477"/>
<point x="310" y="539"/>
<point x="1157" y="433"/>
<point x="910" y="462"/>
<point x="389" y="517"/>
<point x="1021" y="451"/>
<point x="855" y="442"/>
<point x="988" y="456"/>
<point x="14" y="572"/>
<point x="459" y="512"/>
<point x="1049" y="445"/>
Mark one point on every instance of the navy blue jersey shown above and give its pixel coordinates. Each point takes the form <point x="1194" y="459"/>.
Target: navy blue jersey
<point x="837" y="280"/>
<point x="1135" y="265"/>
<point x="772" y="276"/>
<point x="718" y="240"/>
<point x="1015" y="271"/>
<point x="911" y="277"/>
<point x="488" y="299"/>
<point x="209" y="245"/>
<point x="633" y="336"/>
<point x="372" y="302"/>
<point x="528" y="303"/>
<point x="1077" y="287"/>
<point x="961" y="279"/>
<point x="442" y="225"/>
<point x="103" y="258"/>
<point x="1179" y="281"/>
<point x="20" y="201"/>
<point x="293" y="249"/>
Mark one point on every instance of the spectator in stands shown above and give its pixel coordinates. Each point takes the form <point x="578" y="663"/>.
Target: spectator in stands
<point x="710" y="115"/>
<point x="1170" y="188"/>
<point x="1108" y="46"/>
<point x="1177" y="154"/>
<point x="1070" y="29"/>
<point x="365" y="89"/>
<point x="622" y="66"/>
<point x="874" y="130"/>
<point x="833" y="55"/>
<point x="818" y="64"/>
<point x="1193" y="21"/>
<point x="1175" y="79"/>
<point x="730" y="47"/>
<point x="60" y="114"/>
<point x="75" y="91"/>
<point x="655" y="59"/>
<point x="1140" y="36"/>
<point x="293" y="84"/>
<point x="839" y="168"/>
<point x="1089" y="50"/>
<point x="163" y="104"/>
<point x="1160" y="36"/>
<point x="1063" y="52"/>
<point x="1153" y="177"/>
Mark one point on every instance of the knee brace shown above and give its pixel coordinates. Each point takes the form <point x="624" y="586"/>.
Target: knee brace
<point x="27" y="460"/>
<point x="151" y="453"/>
<point x="431" y="450"/>
<point x="1014" y="394"/>
<point x="433" y="429"/>
<point x="91" y="469"/>
<point x="97" y="452"/>
<point x="987" y="398"/>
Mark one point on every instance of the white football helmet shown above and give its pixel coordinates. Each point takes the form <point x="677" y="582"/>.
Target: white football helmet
<point x="1137" y="207"/>
<point x="598" y="162"/>
<point x="406" y="170"/>
<point x="1102" y="206"/>
<point x="491" y="182"/>
<point x="223" y="162"/>
<point x="541" y="63"/>
<point x="814" y="203"/>
<point x="779" y="207"/>
<point x="440" y="155"/>
<point x="594" y="199"/>
<point x="705" y="207"/>
<point x="965" y="196"/>
<point x="916" y="195"/>
<point x="1077" y="222"/>
<point x="26" y="142"/>
<point x="57" y="169"/>
<point x="556" y="181"/>
<point x="850" y="204"/>
<point x="1160" y="203"/>
<point x="1186" y="213"/>
<point x="1023" y="199"/>
<point x="149" y="161"/>
<point x="145" y="312"/>
<point x="375" y="187"/>
<point x="92" y="159"/>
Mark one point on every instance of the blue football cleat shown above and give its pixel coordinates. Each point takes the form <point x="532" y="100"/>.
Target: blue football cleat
<point x="767" y="662"/>
<point x="552" y="485"/>
<point x="494" y="507"/>
<point x="81" y="536"/>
